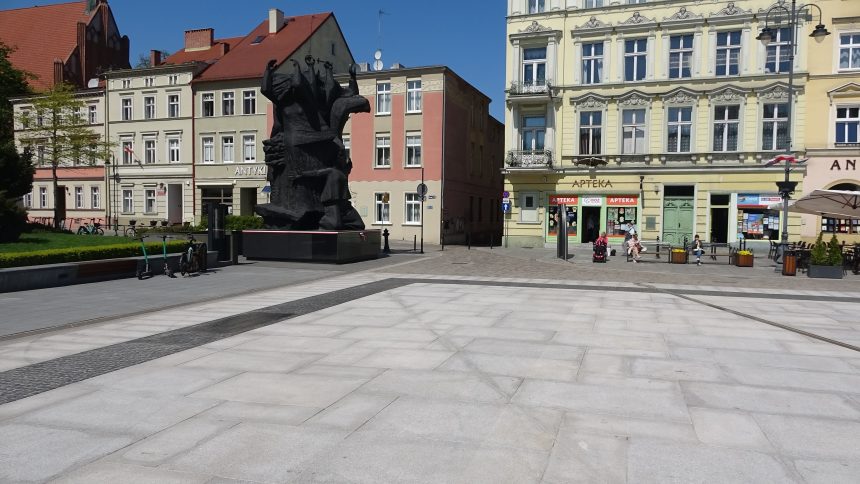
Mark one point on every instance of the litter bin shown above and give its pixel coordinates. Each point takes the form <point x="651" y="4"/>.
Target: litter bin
<point x="789" y="263"/>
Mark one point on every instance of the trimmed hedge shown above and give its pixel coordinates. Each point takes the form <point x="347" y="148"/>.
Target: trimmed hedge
<point x="78" y="254"/>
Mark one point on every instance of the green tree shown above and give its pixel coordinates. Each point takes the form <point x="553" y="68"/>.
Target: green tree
<point x="13" y="82"/>
<point x="16" y="179"/>
<point x="834" y="251"/>
<point x="60" y="127"/>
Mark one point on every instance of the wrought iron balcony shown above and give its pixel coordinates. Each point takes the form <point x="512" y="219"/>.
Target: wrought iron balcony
<point x="529" y="159"/>
<point x="530" y="87"/>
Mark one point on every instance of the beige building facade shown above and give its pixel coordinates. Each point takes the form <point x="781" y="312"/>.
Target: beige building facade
<point x="834" y="115"/>
<point x="662" y="113"/>
<point x="150" y="119"/>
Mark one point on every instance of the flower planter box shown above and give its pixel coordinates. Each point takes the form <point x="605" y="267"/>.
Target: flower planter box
<point x="825" y="272"/>
<point x="679" y="258"/>
<point x="744" y="260"/>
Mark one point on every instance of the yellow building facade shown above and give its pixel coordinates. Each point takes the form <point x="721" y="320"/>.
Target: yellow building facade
<point x="662" y="113"/>
<point x="833" y="113"/>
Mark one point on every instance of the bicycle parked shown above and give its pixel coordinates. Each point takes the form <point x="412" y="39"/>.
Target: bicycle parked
<point x="92" y="228"/>
<point x="131" y="231"/>
<point x="193" y="257"/>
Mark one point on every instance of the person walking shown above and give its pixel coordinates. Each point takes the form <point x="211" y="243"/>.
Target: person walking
<point x="698" y="249"/>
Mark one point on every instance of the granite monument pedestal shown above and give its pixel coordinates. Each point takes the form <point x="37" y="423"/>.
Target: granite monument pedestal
<point x="333" y="246"/>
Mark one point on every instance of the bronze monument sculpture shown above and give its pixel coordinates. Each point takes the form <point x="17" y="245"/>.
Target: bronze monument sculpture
<point x="308" y="167"/>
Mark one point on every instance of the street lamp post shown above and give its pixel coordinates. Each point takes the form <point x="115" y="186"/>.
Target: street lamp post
<point x="766" y="35"/>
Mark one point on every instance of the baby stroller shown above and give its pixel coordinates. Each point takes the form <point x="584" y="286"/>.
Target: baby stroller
<point x="599" y="253"/>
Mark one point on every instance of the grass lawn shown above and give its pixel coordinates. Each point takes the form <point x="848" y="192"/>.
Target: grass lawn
<point x="48" y="240"/>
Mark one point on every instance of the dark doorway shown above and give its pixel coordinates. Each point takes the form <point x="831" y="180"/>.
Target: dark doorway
<point x="591" y="223"/>
<point x="720" y="224"/>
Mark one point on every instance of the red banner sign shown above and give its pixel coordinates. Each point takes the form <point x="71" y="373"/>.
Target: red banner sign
<point x="563" y="199"/>
<point x="622" y="201"/>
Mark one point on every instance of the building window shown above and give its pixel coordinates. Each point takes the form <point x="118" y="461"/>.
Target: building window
<point x="126" y="109"/>
<point x="635" y="59"/>
<point x="208" y="149"/>
<point x="383" y="215"/>
<point x="126" y="83"/>
<point x="413" y="150"/>
<point x="537" y="6"/>
<point x="173" y="79"/>
<point x="847" y="124"/>
<point x="149" y="151"/>
<point x="40" y="154"/>
<point x="383" y="151"/>
<point x="127" y="152"/>
<point x="680" y="127"/>
<point x="633" y="131"/>
<point x="95" y="197"/>
<point x="413" y="96"/>
<point x="127" y="201"/>
<point x="849" y="51"/>
<point x="227" y="149"/>
<point x="728" y="53"/>
<point x="534" y="133"/>
<point x="347" y="146"/>
<point x="149" y="200"/>
<point x="249" y="102"/>
<point x="149" y="81"/>
<point x="413" y="208"/>
<point x="590" y="130"/>
<point x="40" y="119"/>
<point x="528" y="208"/>
<point x="173" y="150"/>
<point x="227" y="104"/>
<point x="775" y="127"/>
<point x="79" y="197"/>
<point x="383" y="98"/>
<point x="28" y="200"/>
<point x="726" y="123"/>
<point x="779" y="51"/>
<point x="25" y="119"/>
<point x="840" y="225"/>
<point x="93" y="114"/>
<point x="43" y="197"/>
<point x="249" y="148"/>
<point x="534" y="66"/>
<point x="680" y="56"/>
<point x="592" y="63"/>
<point x="634" y="2"/>
<point x="149" y="107"/>
<point x="208" y="105"/>
<point x="173" y="106"/>
<point x="593" y="3"/>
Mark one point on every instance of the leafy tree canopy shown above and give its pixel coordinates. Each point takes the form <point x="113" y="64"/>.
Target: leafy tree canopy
<point x="13" y="82"/>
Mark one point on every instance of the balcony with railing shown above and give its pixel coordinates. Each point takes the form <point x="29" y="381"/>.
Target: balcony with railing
<point x="528" y="159"/>
<point x="527" y="90"/>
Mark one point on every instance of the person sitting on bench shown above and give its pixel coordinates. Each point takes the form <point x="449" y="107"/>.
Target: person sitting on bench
<point x="634" y="248"/>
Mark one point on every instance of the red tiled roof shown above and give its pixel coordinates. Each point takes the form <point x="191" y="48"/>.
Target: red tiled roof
<point x="209" y="55"/>
<point x="40" y="35"/>
<point x="246" y="60"/>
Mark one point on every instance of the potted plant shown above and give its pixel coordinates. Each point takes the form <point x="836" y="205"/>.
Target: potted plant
<point x="825" y="260"/>
<point x="744" y="258"/>
<point x="679" y="256"/>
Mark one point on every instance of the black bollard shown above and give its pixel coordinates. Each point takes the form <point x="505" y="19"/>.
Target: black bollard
<point x="385" y="248"/>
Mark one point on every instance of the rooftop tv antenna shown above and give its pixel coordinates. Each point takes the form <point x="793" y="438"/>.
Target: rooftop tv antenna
<point x="377" y="56"/>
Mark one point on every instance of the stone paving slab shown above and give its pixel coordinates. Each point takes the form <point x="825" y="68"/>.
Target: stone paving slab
<point x="443" y="382"/>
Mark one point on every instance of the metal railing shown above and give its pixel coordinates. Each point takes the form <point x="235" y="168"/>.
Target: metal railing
<point x="530" y="87"/>
<point x="529" y="159"/>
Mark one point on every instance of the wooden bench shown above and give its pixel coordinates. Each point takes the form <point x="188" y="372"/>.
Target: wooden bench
<point x="657" y="250"/>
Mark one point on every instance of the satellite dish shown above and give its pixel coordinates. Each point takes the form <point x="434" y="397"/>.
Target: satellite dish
<point x="377" y="65"/>
<point x="377" y="55"/>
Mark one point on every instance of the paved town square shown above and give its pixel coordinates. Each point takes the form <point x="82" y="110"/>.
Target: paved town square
<point x="396" y="374"/>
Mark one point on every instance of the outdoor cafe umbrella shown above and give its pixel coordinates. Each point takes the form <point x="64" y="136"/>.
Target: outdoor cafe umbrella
<point x="839" y="203"/>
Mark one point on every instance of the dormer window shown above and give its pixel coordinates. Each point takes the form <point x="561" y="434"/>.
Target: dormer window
<point x="258" y="39"/>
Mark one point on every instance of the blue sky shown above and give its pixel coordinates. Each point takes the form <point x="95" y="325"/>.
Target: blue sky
<point x="466" y="35"/>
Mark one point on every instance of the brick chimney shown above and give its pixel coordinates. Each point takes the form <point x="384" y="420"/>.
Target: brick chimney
<point x="276" y="20"/>
<point x="154" y="58"/>
<point x="199" y="39"/>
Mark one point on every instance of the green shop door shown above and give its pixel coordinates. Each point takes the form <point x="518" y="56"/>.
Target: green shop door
<point x="677" y="219"/>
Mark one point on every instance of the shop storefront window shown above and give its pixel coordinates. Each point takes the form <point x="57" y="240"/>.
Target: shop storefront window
<point x="840" y="225"/>
<point x="619" y="211"/>
<point x="216" y="195"/>
<point x="755" y="221"/>
<point x="569" y="217"/>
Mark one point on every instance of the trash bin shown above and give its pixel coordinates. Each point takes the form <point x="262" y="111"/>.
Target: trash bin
<point x="789" y="263"/>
